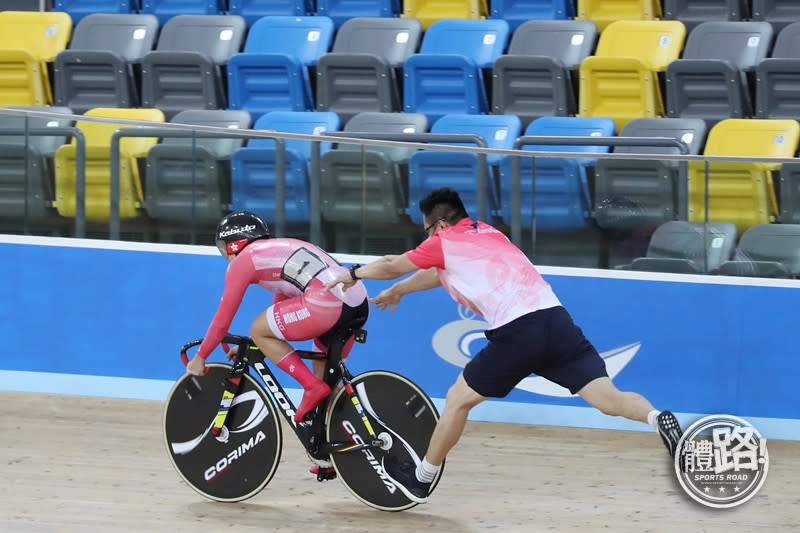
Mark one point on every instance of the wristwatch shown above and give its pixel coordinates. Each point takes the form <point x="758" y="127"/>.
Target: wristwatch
<point x="353" y="271"/>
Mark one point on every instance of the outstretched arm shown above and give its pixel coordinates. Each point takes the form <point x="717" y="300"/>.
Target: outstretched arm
<point x="387" y="267"/>
<point x="420" y="281"/>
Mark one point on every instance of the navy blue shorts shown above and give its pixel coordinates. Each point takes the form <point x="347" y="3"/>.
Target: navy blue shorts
<point x="545" y="342"/>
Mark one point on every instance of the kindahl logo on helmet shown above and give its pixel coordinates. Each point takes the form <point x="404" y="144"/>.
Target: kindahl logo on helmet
<point x="237" y="229"/>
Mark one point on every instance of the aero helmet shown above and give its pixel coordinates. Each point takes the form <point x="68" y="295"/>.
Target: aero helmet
<point x="238" y="229"/>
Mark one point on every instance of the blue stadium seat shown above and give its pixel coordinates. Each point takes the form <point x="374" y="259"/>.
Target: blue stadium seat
<point x="446" y="76"/>
<point x="166" y="9"/>
<point x="271" y="74"/>
<point x="562" y="193"/>
<point x="343" y="10"/>
<point x="78" y="9"/>
<point x="253" y="167"/>
<point x="431" y="169"/>
<point x="252" y="10"/>
<point x="515" y="12"/>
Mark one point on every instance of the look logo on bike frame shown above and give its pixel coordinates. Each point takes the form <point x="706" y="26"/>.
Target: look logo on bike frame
<point x="223" y="432"/>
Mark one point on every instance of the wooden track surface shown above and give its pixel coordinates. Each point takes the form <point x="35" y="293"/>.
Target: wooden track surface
<point x="74" y="463"/>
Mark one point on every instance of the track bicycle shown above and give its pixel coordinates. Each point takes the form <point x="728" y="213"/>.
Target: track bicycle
<point x="223" y="431"/>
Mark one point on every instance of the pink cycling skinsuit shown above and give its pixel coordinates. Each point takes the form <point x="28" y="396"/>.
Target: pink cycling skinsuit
<point x="301" y="310"/>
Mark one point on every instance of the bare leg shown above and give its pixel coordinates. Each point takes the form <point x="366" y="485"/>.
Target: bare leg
<point x="460" y="399"/>
<point x="605" y="396"/>
<point x="272" y="347"/>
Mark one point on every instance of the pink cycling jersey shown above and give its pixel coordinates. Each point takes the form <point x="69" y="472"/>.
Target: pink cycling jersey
<point x="262" y="262"/>
<point x="484" y="271"/>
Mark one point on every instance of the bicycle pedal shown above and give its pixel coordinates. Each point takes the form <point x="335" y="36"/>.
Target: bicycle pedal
<point x="323" y="473"/>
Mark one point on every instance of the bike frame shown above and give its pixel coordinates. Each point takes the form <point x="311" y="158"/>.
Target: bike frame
<point x="310" y="433"/>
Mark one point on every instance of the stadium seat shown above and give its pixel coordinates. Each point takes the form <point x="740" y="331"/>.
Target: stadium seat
<point x="431" y="11"/>
<point x="766" y="251"/>
<point x="188" y="179"/>
<point x="632" y="194"/>
<point x="364" y="189"/>
<point x="272" y="72"/>
<point x="252" y="10"/>
<point x="777" y="77"/>
<point x="78" y="9"/>
<point x="741" y="192"/>
<point x="253" y="171"/>
<point x="98" y="145"/>
<point x="789" y="192"/>
<point x="362" y="180"/>
<point x="538" y="75"/>
<point x="688" y="247"/>
<point x="29" y="42"/>
<point x="605" y="12"/>
<point x="26" y="166"/>
<point x="361" y="72"/>
<point x="166" y="9"/>
<point x="779" y="13"/>
<point x="446" y="76"/>
<point x="185" y="69"/>
<point x="694" y="12"/>
<point x="431" y="169"/>
<point x="561" y="192"/>
<point x="517" y="12"/>
<point x="710" y="81"/>
<point x="343" y="10"/>
<point x="99" y="68"/>
<point x="622" y="79"/>
<point x="24" y="5"/>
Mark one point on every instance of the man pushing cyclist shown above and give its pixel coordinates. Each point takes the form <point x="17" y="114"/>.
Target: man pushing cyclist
<point x="530" y="331"/>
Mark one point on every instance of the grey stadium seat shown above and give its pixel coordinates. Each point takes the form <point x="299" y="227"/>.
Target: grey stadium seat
<point x="789" y="188"/>
<point x="99" y="68"/>
<point x="694" y="12"/>
<point x="188" y="180"/>
<point x="369" y="186"/>
<point x="629" y="193"/>
<point x="538" y="75"/>
<point x="361" y="73"/>
<point x="185" y="71"/>
<point x="767" y="251"/>
<point x="27" y="191"/>
<point x="688" y="247"/>
<point x="778" y="77"/>
<point x="779" y="13"/>
<point x="710" y="81"/>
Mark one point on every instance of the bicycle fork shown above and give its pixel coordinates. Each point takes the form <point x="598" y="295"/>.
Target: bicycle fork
<point x="230" y="389"/>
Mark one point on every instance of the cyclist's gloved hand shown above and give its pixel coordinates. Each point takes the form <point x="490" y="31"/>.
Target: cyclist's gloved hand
<point x="197" y="366"/>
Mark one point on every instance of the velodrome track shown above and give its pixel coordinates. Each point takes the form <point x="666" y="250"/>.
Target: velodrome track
<point x="76" y="463"/>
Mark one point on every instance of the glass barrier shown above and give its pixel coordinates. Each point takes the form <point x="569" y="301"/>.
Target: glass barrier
<point x="639" y="203"/>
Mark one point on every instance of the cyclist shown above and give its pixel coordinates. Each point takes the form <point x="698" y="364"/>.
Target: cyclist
<point x="296" y="272"/>
<point x="530" y="331"/>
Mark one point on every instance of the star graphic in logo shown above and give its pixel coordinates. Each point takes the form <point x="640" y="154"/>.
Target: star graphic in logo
<point x="707" y="489"/>
<point x="234" y="247"/>
<point x="722" y="489"/>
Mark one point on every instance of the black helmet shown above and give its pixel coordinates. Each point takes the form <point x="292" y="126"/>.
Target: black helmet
<point x="238" y="229"/>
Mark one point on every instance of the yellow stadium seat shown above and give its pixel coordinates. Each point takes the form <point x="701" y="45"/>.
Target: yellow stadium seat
<point x="604" y="12"/>
<point x="621" y="80"/>
<point x="741" y="193"/>
<point x="98" y="153"/>
<point x="429" y="11"/>
<point x="29" y="40"/>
